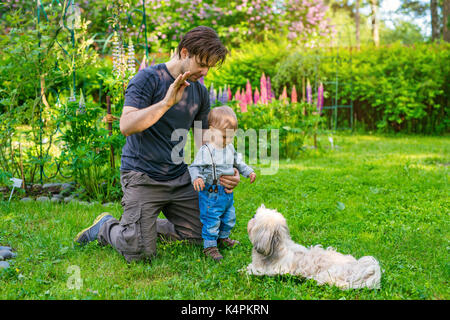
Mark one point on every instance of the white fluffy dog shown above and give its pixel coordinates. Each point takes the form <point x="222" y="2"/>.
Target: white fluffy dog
<point x="275" y="253"/>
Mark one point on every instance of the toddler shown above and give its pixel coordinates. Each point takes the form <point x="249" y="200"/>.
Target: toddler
<point x="216" y="158"/>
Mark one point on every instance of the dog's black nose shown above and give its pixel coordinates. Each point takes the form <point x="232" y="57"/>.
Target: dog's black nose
<point x="254" y="215"/>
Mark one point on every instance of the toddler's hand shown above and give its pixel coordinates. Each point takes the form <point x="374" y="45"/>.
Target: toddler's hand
<point x="199" y="184"/>
<point x="252" y="177"/>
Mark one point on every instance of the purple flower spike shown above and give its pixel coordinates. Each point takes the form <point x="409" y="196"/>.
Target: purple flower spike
<point x="320" y="98"/>
<point x="212" y="95"/>
<point x="82" y="104"/>
<point x="225" y="95"/>
<point x="308" y="92"/>
<point x="256" y="100"/>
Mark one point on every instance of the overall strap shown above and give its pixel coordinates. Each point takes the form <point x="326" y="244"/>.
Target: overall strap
<point x="214" y="166"/>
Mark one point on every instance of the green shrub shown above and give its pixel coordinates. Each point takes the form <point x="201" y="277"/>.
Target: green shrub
<point x="87" y="151"/>
<point x="392" y="88"/>
<point x="395" y="88"/>
<point x="248" y="62"/>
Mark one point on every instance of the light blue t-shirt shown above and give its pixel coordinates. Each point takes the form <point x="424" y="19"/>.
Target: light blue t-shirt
<point x="225" y="159"/>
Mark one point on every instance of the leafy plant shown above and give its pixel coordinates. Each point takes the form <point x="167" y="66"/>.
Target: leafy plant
<point x="39" y="55"/>
<point x="87" y="150"/>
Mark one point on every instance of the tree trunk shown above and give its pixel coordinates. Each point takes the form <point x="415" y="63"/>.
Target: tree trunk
<point x="375" y="34"/>
<point x="446" y="14"/>
<point x="435" y="34"/>
<point x="357" y="20"/>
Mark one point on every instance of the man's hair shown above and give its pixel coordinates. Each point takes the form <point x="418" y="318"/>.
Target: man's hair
<point x="223" y="118"/>
<point x="204" y="43"/>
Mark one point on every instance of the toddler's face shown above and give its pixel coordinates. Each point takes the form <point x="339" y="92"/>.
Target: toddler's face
<point x="221" y="137"/>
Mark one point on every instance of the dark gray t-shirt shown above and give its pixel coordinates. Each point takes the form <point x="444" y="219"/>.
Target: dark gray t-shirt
<point x="150" y="151"/>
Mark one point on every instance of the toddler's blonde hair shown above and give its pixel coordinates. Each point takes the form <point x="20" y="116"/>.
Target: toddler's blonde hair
<point x="222" y="117"/>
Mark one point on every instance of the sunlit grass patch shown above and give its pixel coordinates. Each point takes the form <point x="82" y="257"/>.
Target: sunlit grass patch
<point x="373" y="195"/>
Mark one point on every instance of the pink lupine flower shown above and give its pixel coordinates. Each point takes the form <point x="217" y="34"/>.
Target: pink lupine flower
<point x="294" y="95"/>
<point x="237" y="96"/>
<point x="270" y="94"/>
<point x="242" y="98"/>
<point x="248" y="92"/>
<point x="256" y="97"/>
<point x="320" y="98"/>
<point x="308" y="92"/>
<point x="263" y="83"/>
<point x="243" y="103"/>
<point x="230" y="95"/>
<point x="284" y="95"/>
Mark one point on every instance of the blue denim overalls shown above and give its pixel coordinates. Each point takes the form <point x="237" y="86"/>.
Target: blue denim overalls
<point x="217" y="212"/>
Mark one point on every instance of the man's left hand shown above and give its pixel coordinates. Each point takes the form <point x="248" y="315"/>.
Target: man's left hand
<point x="230" y="182"/>
<point x="109" y="118"/>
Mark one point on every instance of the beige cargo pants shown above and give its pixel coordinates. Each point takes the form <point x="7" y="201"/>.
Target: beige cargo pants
<point x="135" y="235"/>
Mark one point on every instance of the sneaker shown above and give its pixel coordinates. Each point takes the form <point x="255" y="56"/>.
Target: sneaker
<point x="213" y="253"/>
<point x="90" y="233"/>
<point x="228" y="243"/>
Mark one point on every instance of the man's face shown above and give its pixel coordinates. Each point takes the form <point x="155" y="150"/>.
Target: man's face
<point x="193" y="64"/>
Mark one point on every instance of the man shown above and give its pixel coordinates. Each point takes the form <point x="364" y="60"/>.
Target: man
<point x="159" y="100"/>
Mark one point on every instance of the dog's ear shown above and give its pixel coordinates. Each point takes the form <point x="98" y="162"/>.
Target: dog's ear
<point x="262" y="207"/>
<point x="266" y="240"/>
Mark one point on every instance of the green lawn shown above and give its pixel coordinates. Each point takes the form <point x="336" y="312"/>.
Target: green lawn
<point x="382" y="196"/>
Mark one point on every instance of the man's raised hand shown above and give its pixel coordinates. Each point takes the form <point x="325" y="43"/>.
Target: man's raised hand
<point x="176" y="89"/>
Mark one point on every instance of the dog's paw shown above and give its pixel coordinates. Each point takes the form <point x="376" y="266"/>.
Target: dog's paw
<point x="243" y="270"/>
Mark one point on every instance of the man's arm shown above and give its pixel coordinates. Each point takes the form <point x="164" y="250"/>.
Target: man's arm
<point x="134" y="120"/>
